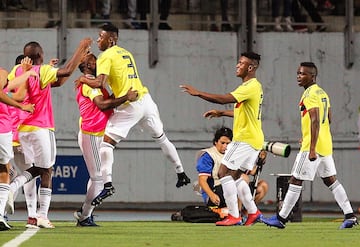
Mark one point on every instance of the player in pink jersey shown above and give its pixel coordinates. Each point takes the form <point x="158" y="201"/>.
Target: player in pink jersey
<point x="30" y="191"/>
<point x="36" y="132"/>
<point x="95" y="106"/>
<point x="6" y="152"/>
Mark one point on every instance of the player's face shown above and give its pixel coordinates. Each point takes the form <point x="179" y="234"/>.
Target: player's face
<point x="305" y="76"/>
<point x="103" y="40"/>
<point x="222" y="143"/>
<point x="91" y="63"/>
<point x="242" y="67"/>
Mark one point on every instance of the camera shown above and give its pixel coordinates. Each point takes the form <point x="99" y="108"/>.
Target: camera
<point x="277" y="148"/>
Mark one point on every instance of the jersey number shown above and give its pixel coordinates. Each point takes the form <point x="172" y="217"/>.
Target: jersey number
<point x="325" y="104"/>
<point x="131" y="66"/>
<point x="260" y="106"/>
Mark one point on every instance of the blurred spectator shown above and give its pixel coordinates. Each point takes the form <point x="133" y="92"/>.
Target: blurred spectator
<point x="99" y="10"/>
<point x="225" y="26"/>
<point x="131" y="15"/>
<point x="164" y="9"/>
<point x="286" y="14"/>
<point x="105" y="9"/>
<point x="165" y="6"/>
<point x="51" y="23"/>
<point x="313" y="13"/>
<point x="93" y="9"/>
<point x="13" y="5"/>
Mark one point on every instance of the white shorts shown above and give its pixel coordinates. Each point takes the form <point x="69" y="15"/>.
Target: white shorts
<point x="304" y="169"/>
<point x="143" y="112"/>
<point x="6" y="149"/>
<point x="39" y="147"/>
<point x="90" y="148"/>
<point x="240" y="155"/>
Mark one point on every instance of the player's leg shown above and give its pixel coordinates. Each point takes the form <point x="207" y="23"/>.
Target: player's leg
<point x="90" y="147"/>
<point x="117" y="129"/>
<point x="303" y="169"/>
<point x="327" y="172"/>
<point x="246" y="157"/>
<point x="44" y="146"/>
<point x="153" y="124"/>
<point x="230" y="197"/>
<point x="30" y="191"/>
<point x="6" y="154"/>
<point x="25" y="176"/>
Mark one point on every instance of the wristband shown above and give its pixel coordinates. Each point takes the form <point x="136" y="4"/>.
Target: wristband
<point x="9" y="94"/>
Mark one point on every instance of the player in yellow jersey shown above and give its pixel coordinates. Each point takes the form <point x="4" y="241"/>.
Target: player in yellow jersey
<point x="116" y="67"/>
<point x="315" y="156"/>
<point x="248" y="138"/>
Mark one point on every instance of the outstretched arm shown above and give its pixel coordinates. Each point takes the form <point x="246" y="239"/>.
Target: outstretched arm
<point x="71" y="65"/>
<point x="213" y="98"/>
<point x="218" y="113"/>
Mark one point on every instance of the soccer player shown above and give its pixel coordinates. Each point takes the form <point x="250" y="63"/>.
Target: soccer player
<point x="6" y="151"/>
<point x="116" y="66"/>
<point x="95" y="106"/>
<point x="315" y="155"/>
<point x="17" y="116"/>
<point x="36" y="132"/>
<point x="248" y="139"/>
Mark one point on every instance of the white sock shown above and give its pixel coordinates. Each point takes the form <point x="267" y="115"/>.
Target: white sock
<point x="170" y="152"/>
<point x="230" y="195"/>
<point x="291" y="197"/>
<point x="20" y="180"/>
<point x="4" y="194"/>
<point x="245" y="196"/>
<point x="12" y="173"/>
<point x="44" y="202"/>
<point x="94" y="189"/>
<point x="31" y="198"/>
<point x="107" y="160"/>
<point x="341" y="197"/>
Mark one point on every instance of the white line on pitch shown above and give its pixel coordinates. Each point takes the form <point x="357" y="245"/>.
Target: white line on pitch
<point x="21" y="238"/>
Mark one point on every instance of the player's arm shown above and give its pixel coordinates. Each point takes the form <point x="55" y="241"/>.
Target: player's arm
<point x="206" y="188"/>
<point x="98" y="82"/>
<point x="218" y="113"/>
<point x="20" y="80"/>
<point x="213" y="98"/>
<point x="64" y="72"/>
<point x="314" y="131"/>
<point x="105" y="104"/>
<point x="20" y="93"/>
<point x="7" y="99"/>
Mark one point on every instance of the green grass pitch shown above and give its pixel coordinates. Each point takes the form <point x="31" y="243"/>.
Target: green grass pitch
<point x="310" y="232"/>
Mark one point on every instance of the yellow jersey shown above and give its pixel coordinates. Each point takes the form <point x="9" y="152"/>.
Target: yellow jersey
<point x="120" y="67"/>
<point x="316" y="97"/>
<point x="247" y="114"/>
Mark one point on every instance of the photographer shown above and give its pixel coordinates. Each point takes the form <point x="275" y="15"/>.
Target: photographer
<point x="208" y="163"/>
